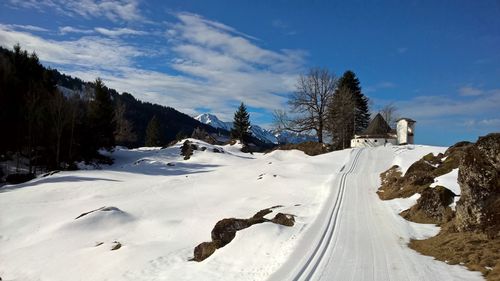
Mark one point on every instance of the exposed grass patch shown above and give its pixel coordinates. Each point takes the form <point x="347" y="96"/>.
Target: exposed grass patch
<point x="310" y="148"/>
<point x="473" y="250"/>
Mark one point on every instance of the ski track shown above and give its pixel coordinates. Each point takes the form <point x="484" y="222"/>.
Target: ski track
<point x="360" y="238"/>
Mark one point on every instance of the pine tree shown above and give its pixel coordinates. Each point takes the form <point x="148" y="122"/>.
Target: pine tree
<point x="101" y="115"/>
<point x="153" y="136"/>
<point x="341" y="113"/>
<point x="362" y="116"/>
<point x="241" y="124"/>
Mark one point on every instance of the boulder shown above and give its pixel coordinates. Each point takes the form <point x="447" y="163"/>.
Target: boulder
<point x="284" y="219"/>
<point x="490" y="146"/>
<point x="224" y="230"/>
<point x="432" y="206"/>
<point x="419" y="173"/>
<point x="479" y="206"/>
<point x="204" y="250"/>
<point x="187" y="149"/>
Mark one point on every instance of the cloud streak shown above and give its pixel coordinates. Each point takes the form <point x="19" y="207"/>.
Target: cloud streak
<point x="118" y="10"/>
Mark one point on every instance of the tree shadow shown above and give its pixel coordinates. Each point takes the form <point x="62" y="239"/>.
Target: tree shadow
<point x="152" y="168"/>
<point x="50" y="179"/>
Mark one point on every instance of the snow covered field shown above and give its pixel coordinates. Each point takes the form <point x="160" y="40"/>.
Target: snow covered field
<point x="160" y="207"/>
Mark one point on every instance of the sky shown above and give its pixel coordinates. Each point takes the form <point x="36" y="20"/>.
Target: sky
<point x="438" y="62"/>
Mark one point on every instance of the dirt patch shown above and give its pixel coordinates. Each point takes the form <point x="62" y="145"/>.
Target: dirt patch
<point x="225" y="230"/>
<point x="310" y="148"/>
<point x="474" y="250"/>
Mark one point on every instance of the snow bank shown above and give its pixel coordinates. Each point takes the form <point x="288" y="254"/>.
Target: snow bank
<point x="449" y="181"/>
<point x="161" y="207"/>
<point x="406" y="155"/>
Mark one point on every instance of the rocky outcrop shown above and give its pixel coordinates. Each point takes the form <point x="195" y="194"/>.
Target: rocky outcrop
<point x="225" y="230"/>
<point x="432" y="206"/>
<point x="417" y="178"/>
<point x="470" y="235"/>
<point x="479" y="206"/>
<point x="187" y="149"/>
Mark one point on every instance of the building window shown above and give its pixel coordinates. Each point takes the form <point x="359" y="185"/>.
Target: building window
<point x="375" y="140"/>
<point x="366" y="141"/>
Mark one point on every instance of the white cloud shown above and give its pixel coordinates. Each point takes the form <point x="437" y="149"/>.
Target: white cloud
<point x="118" y="31"/>
<point x="436" y="107"/>
<point x="27" y="27"/>
<point x="69" y="29"/>
<point x="89" y="52"/>
<point x="468" y="91"/>
<point x="216" y="66"/>
<point x="117" y="10"/>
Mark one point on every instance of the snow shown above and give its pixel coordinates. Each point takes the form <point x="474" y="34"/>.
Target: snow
<point x="405" y="155"/>
<point x="159" y="207"/>
<point x="450" y="181"/>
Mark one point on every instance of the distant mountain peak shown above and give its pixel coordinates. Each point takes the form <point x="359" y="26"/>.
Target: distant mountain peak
<point x="258" y="132"/>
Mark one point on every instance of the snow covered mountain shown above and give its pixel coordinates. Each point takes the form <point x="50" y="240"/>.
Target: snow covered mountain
<point x="260" y="133"/>
<point x="257" y="131"/>
<point x="213" y="121"/>
<point x="293" y="137"/>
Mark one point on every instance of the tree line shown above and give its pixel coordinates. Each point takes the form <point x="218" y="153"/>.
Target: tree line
<point x="51" y="121"/>
<point x="328" y="106"/>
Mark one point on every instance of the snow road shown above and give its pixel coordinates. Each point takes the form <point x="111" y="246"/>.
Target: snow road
<point x="359" y="237"/>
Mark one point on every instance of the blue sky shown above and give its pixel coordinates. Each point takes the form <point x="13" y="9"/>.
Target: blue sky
<point x="439" y="63"/>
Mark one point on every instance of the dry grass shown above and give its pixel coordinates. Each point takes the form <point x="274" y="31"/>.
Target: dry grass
<point x="395" y="186"/>
<point x="473" y="250"/>
<point x="310" y="148"/>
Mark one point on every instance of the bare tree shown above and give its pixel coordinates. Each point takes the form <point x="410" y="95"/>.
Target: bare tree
<point x="390" y="114"/>
<point x="124" y="132"/>
<point x="309" y="103"/>
<point x="341" y="117"/>
<point x="59" y="114"/>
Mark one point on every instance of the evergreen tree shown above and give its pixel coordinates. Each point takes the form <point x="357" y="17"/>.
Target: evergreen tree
<point x="362" y="116"/>
<point x="341" y="113"/>
<point x="241" y="124"/>
<point x="101" y="117"/>
<point x="153" y="137"/>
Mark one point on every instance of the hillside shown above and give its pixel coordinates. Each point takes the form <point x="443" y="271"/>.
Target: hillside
<point x="142" y="217"/>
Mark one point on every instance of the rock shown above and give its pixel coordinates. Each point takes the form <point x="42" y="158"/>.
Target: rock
<point x="433" y="160"/>
<point x="458" y="147"/>
<point x="116" y="245"/>
<point x="284" y="219"/>
<point x="490" y="146"/>
<point x="225" y="230"/>
<point x="432" y="206"/>
<point x="479" y="206"/>
<point x="171" y="164"/>
<point x="187" y="149"/>
<point x="216" y="150"/>
<point x="204" y="250"/>
<point x="419" y="173"/>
